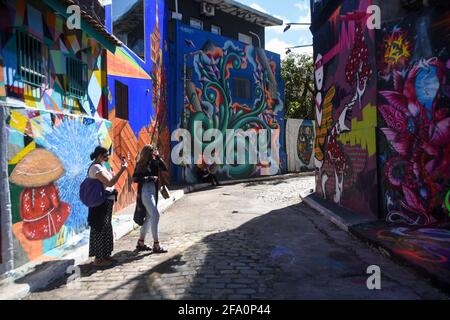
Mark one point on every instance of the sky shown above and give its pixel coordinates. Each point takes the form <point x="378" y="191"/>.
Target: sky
<point x="288" y="11"/>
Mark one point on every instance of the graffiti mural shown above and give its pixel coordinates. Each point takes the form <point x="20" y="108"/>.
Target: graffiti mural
<point x="64" y="43"/>
<point x="428" y="248"/>
<point x="414" y="116"/>
<point x="232" y="86"/>
<point x="46" y="171"/>
<point x="345" y="144"/>
<point x="145" y="83"/>
<point x="300" y="137"/>
<point x="51" y="131"/>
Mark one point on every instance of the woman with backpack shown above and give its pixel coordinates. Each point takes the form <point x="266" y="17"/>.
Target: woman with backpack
<point x="146" y="174"/>
<point x="101" y="239"/>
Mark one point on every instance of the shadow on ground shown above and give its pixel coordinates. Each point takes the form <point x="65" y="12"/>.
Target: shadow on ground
<point x="290" y="253"/>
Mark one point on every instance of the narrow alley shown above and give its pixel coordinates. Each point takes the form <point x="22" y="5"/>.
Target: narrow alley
<point x="246" y="241"/>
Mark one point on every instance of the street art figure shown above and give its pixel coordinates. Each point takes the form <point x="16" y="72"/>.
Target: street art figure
<point x="419" y="132"/>
<point x="212" y="104"/>
<point x="414" y="114"/>
<point x="357" y="74"/>
<point x="42" y="212"/>
<point x="319" y="77"/>
<point x="305" y="141"/>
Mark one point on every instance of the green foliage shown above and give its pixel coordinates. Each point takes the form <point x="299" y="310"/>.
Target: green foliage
<point x="297" y="72"/>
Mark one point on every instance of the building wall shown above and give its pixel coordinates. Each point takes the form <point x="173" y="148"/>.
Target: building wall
<point x="230" y="24"/>
<point x="146" y="82"/>
<point x="44" y="125"/>
<point x="210" y="83"/>
<point x="414" y="117"/>
<point x="300" y="136"/>
<point x="346" y="116"/>
<point x="400" y="125"/>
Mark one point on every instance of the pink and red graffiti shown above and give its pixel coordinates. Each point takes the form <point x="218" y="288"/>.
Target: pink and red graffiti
<point x="357" y="75"/>
<point x="419" y="132"/>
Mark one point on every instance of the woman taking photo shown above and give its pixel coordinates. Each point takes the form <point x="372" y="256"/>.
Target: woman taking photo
<point x="101" y="242"/>
<point x="146" y="175"/>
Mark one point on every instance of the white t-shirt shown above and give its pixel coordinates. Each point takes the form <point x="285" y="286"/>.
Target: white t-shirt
<point x="96" y="168"/>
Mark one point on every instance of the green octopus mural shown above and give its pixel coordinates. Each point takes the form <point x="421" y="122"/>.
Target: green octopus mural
<point x="212" y="103"/>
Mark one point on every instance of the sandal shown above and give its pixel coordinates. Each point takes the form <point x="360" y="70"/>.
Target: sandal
<point x="158" y="249"/>
<point x="142" y="247"/>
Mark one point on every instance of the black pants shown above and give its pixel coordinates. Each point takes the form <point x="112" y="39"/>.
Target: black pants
<point x="101" y="241"/>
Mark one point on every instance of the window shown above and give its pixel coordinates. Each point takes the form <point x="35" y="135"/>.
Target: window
<point x="128" y="24"/>
<point x="77" y="73"/>
<point x="30" y="58"/>
<point x="245" y="39"/>
<point x="196" y="23"/>
<point x="121" y="100"/>
<point x="189" y="73"/>
<point x="216" y="30"/>
<point x="241" y="88"/>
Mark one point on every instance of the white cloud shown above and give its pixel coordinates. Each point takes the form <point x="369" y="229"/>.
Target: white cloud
<point x="258" y="7"/>
<point x="303" y="6"/>
<point x="278" y="46"/>
<point x="276" y="40"/>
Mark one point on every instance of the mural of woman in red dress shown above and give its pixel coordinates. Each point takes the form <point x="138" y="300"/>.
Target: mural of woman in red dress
<point x="42" y="212"/>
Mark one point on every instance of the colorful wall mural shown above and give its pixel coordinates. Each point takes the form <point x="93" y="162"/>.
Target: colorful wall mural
<point x="48" y="158"/>
<point x="213" y="66"/>
<point x="424" y="247"/>
<point x="50" y="133"/>
<point x="300" y="136"/>
<point x="59" y="43"/>
<point x="414" y="116"/>
<point x="146" y="84"/>
<point x="346" y="117"/>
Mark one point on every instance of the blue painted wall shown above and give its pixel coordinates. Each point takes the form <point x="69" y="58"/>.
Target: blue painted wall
<point x="145" y="80"/>
<point x="245" y="62"/>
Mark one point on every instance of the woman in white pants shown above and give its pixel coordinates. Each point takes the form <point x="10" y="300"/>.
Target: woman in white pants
<point x="147" y="215"/>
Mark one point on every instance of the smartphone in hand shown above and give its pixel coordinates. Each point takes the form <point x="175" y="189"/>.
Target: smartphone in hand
<point x="124" y="162"/>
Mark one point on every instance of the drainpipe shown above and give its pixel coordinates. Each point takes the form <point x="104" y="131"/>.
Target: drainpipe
<point x="259" y="39"/>
<point x="7" y="250"/>
<point x="176" y="15"/>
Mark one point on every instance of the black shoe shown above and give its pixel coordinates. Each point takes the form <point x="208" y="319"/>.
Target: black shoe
<point x="142" y="247"/>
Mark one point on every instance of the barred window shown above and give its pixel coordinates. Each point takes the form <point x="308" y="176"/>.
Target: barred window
<point x="30" y="59"/>
<point x="241" y="88"/>
<point x="76" y="77"/>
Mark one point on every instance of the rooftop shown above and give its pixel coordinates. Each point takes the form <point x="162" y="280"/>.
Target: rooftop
<point x="245" y="12"/>
<point x="93" y="22"/>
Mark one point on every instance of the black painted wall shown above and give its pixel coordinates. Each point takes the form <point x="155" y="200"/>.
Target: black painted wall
<point x="231" y="25"/>
<point x="391" y="10"/>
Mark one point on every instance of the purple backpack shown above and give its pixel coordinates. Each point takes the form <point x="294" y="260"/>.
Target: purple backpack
<point x="92" y="192"/>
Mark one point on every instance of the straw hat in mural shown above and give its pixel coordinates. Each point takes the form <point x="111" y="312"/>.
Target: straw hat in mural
<point x="42" y="212"/>
<point x="38" y="168"/>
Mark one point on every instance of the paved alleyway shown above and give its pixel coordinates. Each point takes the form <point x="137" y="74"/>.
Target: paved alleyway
<point x="248" y="241"/>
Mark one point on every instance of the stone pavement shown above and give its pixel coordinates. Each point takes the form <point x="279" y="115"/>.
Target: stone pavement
<point x="247" y="241"/>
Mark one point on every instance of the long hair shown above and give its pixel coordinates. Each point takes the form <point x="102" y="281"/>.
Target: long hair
<point x="145" y="156"/>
